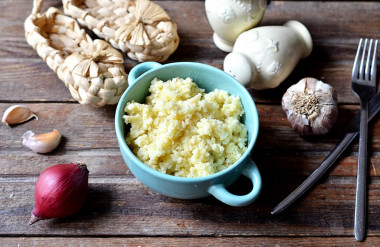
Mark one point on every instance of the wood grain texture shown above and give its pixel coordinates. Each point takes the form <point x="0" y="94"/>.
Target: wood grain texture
<point x="187" y="241"/>
<point x="335" y="41"/>
<point x="86" y="127"/>
<point x="121" y="206"/>
<point x="121" y="211"/>
<point x="89" y="132"/>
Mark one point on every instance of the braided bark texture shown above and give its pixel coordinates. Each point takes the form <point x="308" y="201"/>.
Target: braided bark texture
<point x="93" y="71"/>
<point x="141" y="28"/>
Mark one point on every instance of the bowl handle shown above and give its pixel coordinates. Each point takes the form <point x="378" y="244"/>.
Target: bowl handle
<point x="222" y="194"/>
<point x="140" y="69"/>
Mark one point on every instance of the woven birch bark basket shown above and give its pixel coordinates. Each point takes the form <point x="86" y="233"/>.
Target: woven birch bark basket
<point x="92" y="70"/>
<point x="141" y="28"/>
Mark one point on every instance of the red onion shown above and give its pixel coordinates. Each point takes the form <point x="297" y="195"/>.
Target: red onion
<point x="60" y="191"/>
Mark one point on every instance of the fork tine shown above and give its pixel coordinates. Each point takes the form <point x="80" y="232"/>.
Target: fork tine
<point x="355" y="68"/>
<point x="374" y="64"/>
<point x="361" y="70"/>
<point x="367" y="68"/>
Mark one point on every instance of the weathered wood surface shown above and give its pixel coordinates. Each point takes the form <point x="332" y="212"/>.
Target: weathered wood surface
<point x="187" y="241"/>
<point x="121" y="211"/>
<point x="334" y="26"/>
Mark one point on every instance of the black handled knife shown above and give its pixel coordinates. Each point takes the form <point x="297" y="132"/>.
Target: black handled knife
<point x="352" y="130"/>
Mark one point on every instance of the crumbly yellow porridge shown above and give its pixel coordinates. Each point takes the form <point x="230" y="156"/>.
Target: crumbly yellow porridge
<point x="183" y="131"/>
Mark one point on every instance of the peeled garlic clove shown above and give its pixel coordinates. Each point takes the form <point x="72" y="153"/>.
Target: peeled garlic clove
<point x="42" y="143"/>
<point x="17" y="114"/>
<point x="311" y="107"/>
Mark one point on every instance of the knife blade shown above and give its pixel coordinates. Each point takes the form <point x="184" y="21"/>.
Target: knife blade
<point x="352" y="131"/>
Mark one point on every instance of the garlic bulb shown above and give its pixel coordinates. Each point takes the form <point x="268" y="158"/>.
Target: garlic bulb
<point x="17" y="114"/>
<point x="311" y="107"/>
<point x="42" y="143"/>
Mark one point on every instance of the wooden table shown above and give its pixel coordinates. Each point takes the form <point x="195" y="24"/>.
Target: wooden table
<point x="120" y="211"/>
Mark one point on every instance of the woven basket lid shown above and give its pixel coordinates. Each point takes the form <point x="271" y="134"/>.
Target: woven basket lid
<point x="92" y="70"/>
<point x="141" y="28"/>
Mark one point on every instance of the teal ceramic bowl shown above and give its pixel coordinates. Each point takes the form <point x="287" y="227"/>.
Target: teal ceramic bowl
<point x="208" y="78"/>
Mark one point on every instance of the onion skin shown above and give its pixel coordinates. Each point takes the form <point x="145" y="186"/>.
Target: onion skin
<point x="60" y="191"/>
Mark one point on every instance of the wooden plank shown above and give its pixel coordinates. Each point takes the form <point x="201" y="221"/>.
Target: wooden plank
<point x="121" y="206"/>
<point x="188" y="241"/>
<point x="86" y="127"/>
<point x="89" y="136"/>
<point x="100" y="162"/>
<point x="331" y="60"/>
<point x="81" y="126"/>
<point x="107" y="162"/>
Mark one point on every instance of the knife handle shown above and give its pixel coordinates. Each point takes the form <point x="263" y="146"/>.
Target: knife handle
<point x="352" y="130"/>
<point x="317" y="174"/>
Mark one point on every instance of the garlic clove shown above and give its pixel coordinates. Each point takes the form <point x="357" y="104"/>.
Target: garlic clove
<point x="42" y="143"/>
<point x="311" y="107"/>
<point x="17" y="114"/>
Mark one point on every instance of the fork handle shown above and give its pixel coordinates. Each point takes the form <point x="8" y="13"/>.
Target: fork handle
<point x="361" y="183"/>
